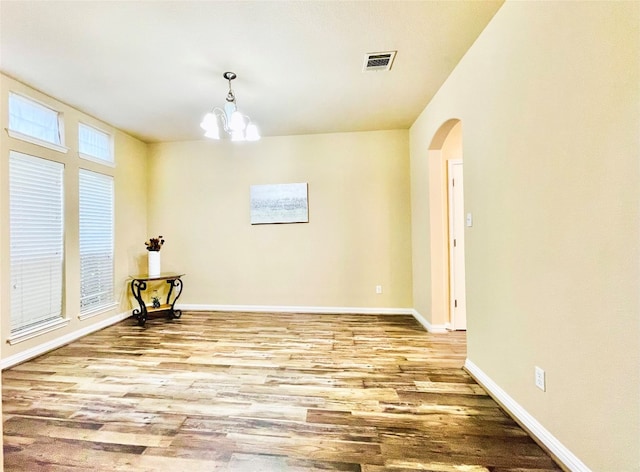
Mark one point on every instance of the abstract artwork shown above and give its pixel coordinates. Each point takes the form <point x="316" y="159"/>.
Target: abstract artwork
<point x="280" y="203"/>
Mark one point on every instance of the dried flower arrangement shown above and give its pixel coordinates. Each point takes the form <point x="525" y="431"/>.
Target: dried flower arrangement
<point x="154" y="244"/>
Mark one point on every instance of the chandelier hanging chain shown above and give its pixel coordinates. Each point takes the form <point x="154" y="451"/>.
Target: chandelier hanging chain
<point x="230" y="76"/>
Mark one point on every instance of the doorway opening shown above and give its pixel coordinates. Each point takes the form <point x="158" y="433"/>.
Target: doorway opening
<point x="447" y="222"/>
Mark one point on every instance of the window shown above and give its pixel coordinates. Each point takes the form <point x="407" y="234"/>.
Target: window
<point x="29" y="119"/>
<point x="96" y="241"/>
<point x="94" y="144"/>
<point x="36" y="241"/>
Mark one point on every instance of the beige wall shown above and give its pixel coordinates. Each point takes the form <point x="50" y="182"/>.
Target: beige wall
<point x="358" y="235"/>
<point x="549" y="102"/>
<point x="130" y="214"/>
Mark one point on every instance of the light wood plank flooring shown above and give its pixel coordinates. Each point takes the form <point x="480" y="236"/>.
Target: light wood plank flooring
<point x="259" y="393"/>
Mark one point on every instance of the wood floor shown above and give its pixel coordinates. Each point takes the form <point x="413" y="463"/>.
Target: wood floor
<point x="243" y="392"/>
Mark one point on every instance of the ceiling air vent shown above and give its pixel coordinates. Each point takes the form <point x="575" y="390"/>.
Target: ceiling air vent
<point x="379" y="60"/>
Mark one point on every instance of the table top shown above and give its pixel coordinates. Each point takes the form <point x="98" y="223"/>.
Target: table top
<point x="161" y="276"/>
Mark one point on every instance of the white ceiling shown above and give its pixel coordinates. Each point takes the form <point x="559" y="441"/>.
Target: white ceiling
<point x="154" y="68"/>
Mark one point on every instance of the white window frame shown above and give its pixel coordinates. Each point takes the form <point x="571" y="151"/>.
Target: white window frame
<point x="110" y="161"/>
<point x="31" y="208"/>
<point x="13" y="132"/>
<point x="92" y="226"/>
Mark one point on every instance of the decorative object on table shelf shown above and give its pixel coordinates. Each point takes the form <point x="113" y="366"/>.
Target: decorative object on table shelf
<point x="155" y="299"/>
<point x="238" y="126"/>
<point x="153" y="247"/>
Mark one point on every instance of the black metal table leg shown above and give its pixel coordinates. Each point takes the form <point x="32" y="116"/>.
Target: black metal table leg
<point x="137" y="287"/>
<point x="178" y="284"/>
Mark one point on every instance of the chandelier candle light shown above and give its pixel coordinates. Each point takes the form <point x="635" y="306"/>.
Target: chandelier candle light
<point x="234" y="123"/>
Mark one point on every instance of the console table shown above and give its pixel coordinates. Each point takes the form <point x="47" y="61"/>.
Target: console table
<point x="139" y="285"/>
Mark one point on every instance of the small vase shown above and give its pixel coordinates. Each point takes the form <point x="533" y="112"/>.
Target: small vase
<point x="154" y="263"/>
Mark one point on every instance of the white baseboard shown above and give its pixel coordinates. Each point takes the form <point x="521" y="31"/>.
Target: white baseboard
<point x="321" y="310"/>
<point x="428" y="326"/>
<point x="61" y="341"/>
<point x="327" y="310"/>
<point x="561" y="452"/>
<point x="66" y="339"/>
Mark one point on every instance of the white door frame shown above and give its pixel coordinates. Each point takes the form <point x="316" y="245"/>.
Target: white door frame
<point x="457" y="289"/>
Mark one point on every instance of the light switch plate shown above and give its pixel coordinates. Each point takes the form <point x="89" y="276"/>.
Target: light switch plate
<point x="540" y="379"/>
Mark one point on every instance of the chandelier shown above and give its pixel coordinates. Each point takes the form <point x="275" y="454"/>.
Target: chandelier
<point x="238" y="126"/>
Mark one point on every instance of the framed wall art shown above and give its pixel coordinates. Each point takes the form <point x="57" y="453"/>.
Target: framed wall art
<point x="279" y="203"/>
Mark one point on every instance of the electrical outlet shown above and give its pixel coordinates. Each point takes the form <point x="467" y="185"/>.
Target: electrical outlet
<point x="540" y="379"/>
<point x="378" y="289"/>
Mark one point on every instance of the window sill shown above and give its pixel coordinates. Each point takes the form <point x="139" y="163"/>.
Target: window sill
<point x="96" y="311"/>
<point x="29" y="333"/>
<point x="97" y="160"/>
<point x="36" y="141"/>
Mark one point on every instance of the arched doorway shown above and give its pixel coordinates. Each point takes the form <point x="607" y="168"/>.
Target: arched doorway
<point x="446" y="218"/>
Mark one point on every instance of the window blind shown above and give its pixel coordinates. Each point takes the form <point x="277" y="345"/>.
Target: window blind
<point x="94" y="143"/>
<point x="96" y="240"/>
<point x="33" y="119"/>
<point x="36" y="222"/>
